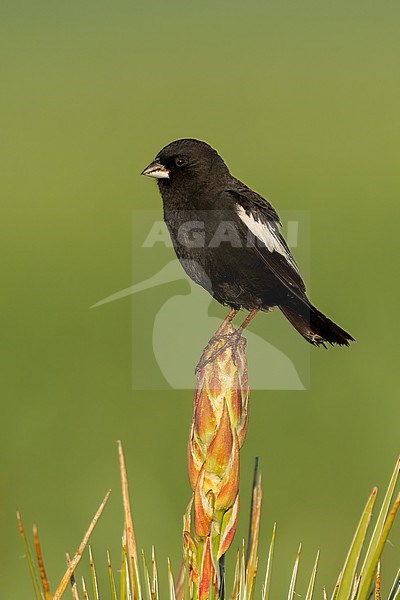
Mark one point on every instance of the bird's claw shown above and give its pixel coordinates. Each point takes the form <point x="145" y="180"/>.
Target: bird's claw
<point x="231" y="339"/>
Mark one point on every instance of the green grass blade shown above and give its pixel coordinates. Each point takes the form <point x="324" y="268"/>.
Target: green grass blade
<point x="113" y="589"/>
<point x="181" y="582"/>
<point x="369" y="565"/>
<point x="123" y="591"/>
<point x="146" y="578"/>
<point x="373" y="557"/>
<point x="353" y="556"/>
<point x="355" y="587"/>
<point x="254" y="530"/>
<point x="294" y="575"/>
<point x="186" y="586"/>
<point x="93" y="575"/>
<point x="235" y="589"/>
<point x="242" y="575"/>
<point x="254" y="514"/>
<point x="129" y="590"/>
<point x="171" y="584"/>
<point x="154" y="579"/>
<point x="268" y="571"/>
<point x="28" y="556"/>
<point x="310" y="589"/>
<point x="394" y="592"/>
<point x="336" y="588"/>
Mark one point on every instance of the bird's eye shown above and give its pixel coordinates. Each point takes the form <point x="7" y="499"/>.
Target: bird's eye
<point x="180" y="161"/>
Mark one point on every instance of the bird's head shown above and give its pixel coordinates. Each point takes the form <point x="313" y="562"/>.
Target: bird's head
<point x="186" y="164"/>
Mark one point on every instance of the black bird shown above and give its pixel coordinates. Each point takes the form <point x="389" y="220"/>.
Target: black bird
<point x="228" y="240"/>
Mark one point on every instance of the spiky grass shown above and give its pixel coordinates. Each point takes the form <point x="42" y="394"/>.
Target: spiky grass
<point x="217" y="433"/>
<point x="141" y="583"/>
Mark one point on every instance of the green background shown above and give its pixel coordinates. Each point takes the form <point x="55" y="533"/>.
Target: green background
<point x="302" y="100"/>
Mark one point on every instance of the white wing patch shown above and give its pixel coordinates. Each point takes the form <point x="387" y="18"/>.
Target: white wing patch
<point x="262" y="231"/>
<point x="266" y="233"/>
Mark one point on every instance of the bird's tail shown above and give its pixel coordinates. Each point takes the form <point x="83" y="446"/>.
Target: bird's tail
<point x="314" y="326"/>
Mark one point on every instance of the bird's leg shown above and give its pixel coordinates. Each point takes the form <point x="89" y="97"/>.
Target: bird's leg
<point x="228" y="319"/>
<point x="247" y="320"/>
<point x="234" y="338"/>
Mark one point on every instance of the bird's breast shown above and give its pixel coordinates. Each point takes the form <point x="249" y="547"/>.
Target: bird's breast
<point x="201" y="230"/>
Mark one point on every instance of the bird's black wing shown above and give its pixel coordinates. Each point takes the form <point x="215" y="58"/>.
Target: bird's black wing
<point x="260" y="224"/>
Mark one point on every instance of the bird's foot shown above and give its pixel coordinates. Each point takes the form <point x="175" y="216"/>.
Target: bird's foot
<point x="232" y="340"/>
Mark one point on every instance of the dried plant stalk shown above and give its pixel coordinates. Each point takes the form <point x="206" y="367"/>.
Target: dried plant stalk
<point x="78" y="554"/>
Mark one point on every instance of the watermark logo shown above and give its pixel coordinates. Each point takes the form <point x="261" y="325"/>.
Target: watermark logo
<point x="173" y="317"/>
